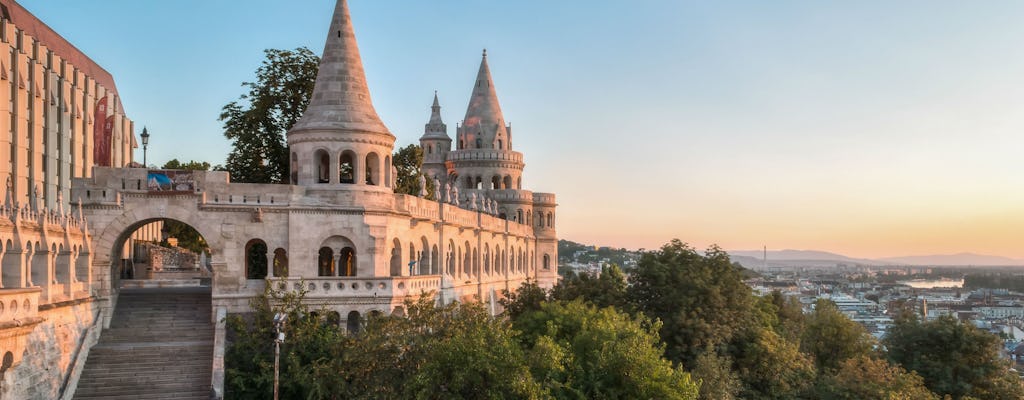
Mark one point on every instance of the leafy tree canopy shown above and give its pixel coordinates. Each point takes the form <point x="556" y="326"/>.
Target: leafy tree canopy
<point x="606" y="290"/>
<point x="831" y="338"/>
<point x="701" y="299"/>
<point x="580" y="351"/>
<point x="256" y="123"/>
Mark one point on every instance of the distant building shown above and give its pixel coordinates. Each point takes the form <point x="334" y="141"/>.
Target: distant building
<point x="61" y="116"/>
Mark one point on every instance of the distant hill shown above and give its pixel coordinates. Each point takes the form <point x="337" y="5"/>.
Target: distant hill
<point x="960" y="259"/>
<point x="792" y="258"/>
<point x="813" y="258"/>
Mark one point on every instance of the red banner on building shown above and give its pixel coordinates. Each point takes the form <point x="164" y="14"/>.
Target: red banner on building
<point x="102" y="129"/>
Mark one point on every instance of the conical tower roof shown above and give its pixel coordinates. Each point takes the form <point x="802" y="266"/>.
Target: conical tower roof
<point x="341" y="99"/>
<point x="436" y="127"/>
<point x="484" y="112"/>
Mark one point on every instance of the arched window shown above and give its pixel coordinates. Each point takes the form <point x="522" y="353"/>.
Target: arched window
<point x="479" y="143"/>
<point x="550" y="220"/>
<point x="294" y="169"/>
<point x="462" y="144"/>
<point x="323" y="174"/>
<point x="387" y="172"/>
<point x="412" y="259"/>
<point x="430" y="149"/>
<point x="325" y="262"/>
<point x="496" y="182"/>
<point x="280" y="263"/>
<point x="547" y="262"/>
<point x="347" y="167"/>
<point x="519" y="215"/>
<point x="348" y="262"/>
<point x="256" y="259"/>
<point x="373" y="169"/>
<point x="354" y="322"/>
<point x="396" y="259"/>
<point x="499" y="144"/>
<point x="507" y="182"/>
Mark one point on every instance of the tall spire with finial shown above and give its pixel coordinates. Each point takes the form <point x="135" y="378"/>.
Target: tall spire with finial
<point x="483" y="116"/>
<point x="341" y="98"/>
<point x="435" y="127"/>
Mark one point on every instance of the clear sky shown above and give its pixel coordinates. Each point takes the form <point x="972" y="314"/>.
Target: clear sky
<point x="870" y="128"/>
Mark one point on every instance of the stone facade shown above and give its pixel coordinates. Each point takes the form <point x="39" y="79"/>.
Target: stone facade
<point x="339" y="230"/>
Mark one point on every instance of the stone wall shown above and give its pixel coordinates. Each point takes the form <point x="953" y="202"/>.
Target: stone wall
<point x="56" y="346"/>
<point x="170" y="259"/>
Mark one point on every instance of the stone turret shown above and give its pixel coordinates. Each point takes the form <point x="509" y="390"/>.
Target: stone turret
<point x="436" y="144"/>
<point x="340" y="139"/>
<point x="484" y="158"/>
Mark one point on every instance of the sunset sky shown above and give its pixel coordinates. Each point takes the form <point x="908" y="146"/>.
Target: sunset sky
<point x="868" y="128"/>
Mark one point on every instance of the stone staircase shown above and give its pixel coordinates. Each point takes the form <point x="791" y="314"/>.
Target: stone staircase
<point x="159" y="346"/>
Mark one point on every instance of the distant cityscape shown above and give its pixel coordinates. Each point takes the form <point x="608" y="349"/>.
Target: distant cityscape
<point x="867" y="291"/>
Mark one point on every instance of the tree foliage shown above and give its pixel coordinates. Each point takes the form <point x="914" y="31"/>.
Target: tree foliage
<point x="605" y="290"/>
<point x="190" y="166"/>
<point x="868" y="378"/>
<point x="581" y="352"/>
<point x="256" y="123"/>
<point x="831" y="338"/>
<point x="408" y="162"/>
<point x="952" y="357"/>
<point x="701" y="299"/>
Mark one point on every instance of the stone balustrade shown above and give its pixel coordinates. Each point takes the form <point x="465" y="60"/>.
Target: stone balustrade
<point x="486" y="154"/>
<point x="18" y="305"/>
<point x="395" y="286"/>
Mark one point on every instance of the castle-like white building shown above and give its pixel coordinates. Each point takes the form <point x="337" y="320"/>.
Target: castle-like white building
<point x="339" y="228"/>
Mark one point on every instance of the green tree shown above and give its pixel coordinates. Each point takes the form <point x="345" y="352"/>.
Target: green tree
<point x="190" y="166"/>
<point x="717" y="379"/>
<point x="310" y="344"/>
<point x="867" y="378"/>
<point x="581" y="352"/>
<point x="771" y="367"/>
<point x="408" y="162"/>
<point x="606" y="290"/>
<point x="455" y="351"/>
<point x="790" y="319"/>
<point x="188" y="237"/>
<point x="701" y="299"/>
<point x="528" y="297"/>
<point x="954" y="358"/>
<point x="831" y="338"/>
<point x="257" y="122"/>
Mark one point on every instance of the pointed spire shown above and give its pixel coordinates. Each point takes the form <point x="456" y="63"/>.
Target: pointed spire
<point x="435" y="128"/>
<point x="341" y="98"/>
<point x="484" y="113"/>
<point x="435" y="111"/>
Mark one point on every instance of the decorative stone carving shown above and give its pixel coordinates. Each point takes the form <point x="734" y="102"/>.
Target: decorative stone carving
<point x="423" y="186"/>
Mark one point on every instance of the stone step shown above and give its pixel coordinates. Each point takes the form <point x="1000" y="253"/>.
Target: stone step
<point x="159" y="346"/>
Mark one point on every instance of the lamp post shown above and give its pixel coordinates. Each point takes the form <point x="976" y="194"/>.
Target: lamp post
<point x="280" y="320"/>
<point x="145" y="144"/>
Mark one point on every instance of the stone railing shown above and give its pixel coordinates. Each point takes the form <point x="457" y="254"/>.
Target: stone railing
<point x="19" y="304"/>
<point x="547" y="199"/>
<point x="389" y="286"/>
<point x="486" y="154"/>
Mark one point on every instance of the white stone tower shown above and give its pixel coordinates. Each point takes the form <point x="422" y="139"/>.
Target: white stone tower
<point x="436" y="145"/>
<point x="484" y="158"/>
<point x="340" y="140"/>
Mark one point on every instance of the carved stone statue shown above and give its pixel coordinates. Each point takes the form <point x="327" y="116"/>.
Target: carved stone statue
<point x="257" y="215"/>
<point x="455" y="195"/>
<point x="472" y="201"/>
<point x="423" y="186"/>
<point x="447" y="193"/>
<point x="437" y="190"/>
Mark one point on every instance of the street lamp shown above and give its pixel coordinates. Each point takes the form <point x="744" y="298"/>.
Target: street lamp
<point x="145" y="144"/>
<point x="280" y="320"/>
